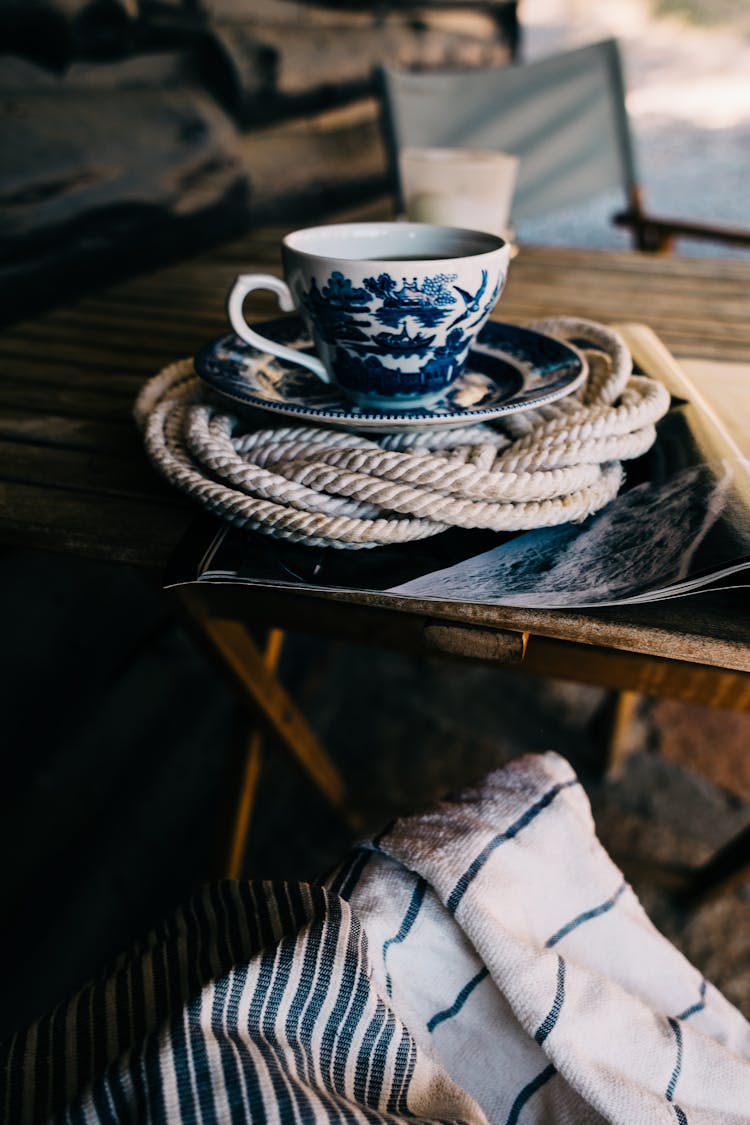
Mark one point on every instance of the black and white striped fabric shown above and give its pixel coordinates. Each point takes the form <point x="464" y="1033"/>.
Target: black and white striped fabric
<point x="484" y="961"/>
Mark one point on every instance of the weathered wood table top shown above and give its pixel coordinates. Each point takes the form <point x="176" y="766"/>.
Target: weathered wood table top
<point x="74" y="477"/>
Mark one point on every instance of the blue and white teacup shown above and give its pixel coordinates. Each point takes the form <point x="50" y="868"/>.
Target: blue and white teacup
<point x="392" y="308"/>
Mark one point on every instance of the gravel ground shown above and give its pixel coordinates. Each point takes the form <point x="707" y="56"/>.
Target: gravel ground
<point x="689" y="105"/>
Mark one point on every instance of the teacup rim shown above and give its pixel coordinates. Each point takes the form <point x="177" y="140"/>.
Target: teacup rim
<point x="497" y="243"/>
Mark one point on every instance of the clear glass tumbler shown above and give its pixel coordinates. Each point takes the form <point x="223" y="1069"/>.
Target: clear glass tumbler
<point x="458" y="187"/>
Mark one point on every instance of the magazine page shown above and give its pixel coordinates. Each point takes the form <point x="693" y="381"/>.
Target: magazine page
<point x="681" y="522"/>
<point x="724" y="386"/>
<point x="684" y="525"/>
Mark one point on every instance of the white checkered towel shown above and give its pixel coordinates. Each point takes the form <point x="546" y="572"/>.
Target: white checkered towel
<point x="484" y="961"/>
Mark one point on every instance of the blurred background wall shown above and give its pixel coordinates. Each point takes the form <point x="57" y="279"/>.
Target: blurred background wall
<point x="133" y="131"/>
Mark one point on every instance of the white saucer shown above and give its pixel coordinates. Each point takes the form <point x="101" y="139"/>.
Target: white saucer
<point x="509" y="370"/>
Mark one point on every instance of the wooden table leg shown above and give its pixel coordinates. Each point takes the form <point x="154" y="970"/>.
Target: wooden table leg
<point x="620" y="742"/>
<point x="250" y="776"/>
<point x="267" y="700"/>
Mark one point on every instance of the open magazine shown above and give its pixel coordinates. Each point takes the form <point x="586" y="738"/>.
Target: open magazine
<point x="681" y="524"/>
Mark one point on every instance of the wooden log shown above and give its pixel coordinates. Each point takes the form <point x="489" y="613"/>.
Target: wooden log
<point x="55" y="31"/>
<point x="94" y="185"/>
<point x="326" y="57"/>
<point x="314" y="163"/>
<point x="161" y="69"/>
<point x="70" y="153"/>
<point x="242" y="71"/>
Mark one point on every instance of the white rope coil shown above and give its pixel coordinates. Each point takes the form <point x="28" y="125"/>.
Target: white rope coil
<point x="331" y="488"/>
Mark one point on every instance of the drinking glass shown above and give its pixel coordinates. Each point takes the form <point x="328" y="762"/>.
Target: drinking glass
<point x="459" y="187"/>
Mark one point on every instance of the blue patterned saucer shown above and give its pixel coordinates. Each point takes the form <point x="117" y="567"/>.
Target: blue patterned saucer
<point x="510" y="369"/>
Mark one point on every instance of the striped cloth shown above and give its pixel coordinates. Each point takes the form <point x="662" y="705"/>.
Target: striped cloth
<point x="483" y="961"/>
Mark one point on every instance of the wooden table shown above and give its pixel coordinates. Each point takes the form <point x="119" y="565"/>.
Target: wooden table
<point x="74" y="477"/>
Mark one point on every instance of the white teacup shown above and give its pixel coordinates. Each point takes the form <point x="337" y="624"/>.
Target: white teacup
<point x="392" y="308"/>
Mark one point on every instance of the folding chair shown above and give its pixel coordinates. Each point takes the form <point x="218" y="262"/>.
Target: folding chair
<point x="564" y="116"/>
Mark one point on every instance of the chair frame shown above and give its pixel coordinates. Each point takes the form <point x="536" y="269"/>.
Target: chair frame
<point x="649" y="232"/>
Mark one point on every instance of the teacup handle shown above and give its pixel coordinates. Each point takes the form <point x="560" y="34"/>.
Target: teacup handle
<point x="245" y="284"/>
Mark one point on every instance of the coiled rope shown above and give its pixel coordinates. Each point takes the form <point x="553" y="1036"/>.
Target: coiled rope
<point x="330" y="488"/>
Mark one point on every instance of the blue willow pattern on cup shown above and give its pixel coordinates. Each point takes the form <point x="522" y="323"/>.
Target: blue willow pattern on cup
<point x="510" y="369"/>
<point x="427" y="329"/>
